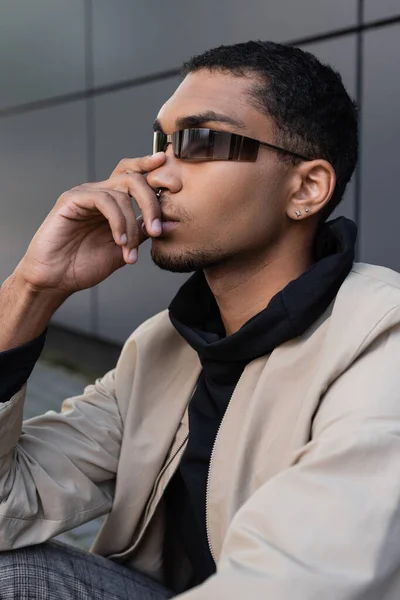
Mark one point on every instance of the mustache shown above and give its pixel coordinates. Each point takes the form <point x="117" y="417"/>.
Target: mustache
<point x="173" y="211"/>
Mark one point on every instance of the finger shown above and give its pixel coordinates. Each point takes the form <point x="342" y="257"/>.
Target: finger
<point x="136" y="186"/>
<point x="142" y="165"/>
<point x="106" y="204"/>
<point x="133" y="236"/>
<point x="79" y="204"/>
<point x="131" y="255"/>
<point x="142" y="229"/>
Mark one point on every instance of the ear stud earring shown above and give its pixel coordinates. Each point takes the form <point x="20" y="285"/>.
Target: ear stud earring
<point x="298" y="212"/>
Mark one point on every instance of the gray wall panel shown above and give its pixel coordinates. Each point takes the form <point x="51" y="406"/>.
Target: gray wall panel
<point x="380" y="208"/>
<point x="42" y="54"/>
<point x="381" y="9"/>
<point x="341" y="55"/>
<point x="42" y="153"/>
<point x="124" y="129"/>
<point x="41" y="49"/>
<point x="137" y="38"/>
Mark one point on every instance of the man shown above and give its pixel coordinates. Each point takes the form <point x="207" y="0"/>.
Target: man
<point x="247" y="444"/>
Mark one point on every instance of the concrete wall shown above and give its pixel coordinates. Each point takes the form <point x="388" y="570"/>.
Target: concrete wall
<point x="82" y="82"/>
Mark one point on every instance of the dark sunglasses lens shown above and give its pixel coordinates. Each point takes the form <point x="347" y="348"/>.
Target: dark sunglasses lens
<point x="246" y="149"/>
<point x="194" y="144"/>
<point x="206" y="144"/>
<point x="159" y="141"/>
<point x="229" y="146"/>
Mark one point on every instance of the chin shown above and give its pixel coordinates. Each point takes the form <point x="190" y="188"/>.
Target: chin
<point x="185" y="261"/>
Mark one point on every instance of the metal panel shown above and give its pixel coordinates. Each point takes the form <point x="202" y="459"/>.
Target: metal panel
<point x="124" y="129"/>
<point x="133" y="39"/>
<point x="341" y="55"/>
<point x="381" y="9"/>
<point x="42" y="153"/>
<point x="380" y="208"/>
<point x="41" y="49"/>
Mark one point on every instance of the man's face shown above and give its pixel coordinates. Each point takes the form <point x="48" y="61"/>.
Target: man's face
<point x="228" y="212"/>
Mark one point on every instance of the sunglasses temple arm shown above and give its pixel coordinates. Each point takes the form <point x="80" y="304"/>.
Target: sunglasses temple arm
<point x="284" y="151"/>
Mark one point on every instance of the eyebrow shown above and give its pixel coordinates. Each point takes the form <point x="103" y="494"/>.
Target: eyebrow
<point x="189" y="121"/>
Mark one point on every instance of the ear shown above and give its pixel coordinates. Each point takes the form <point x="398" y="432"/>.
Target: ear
<point x="312" y="186"/>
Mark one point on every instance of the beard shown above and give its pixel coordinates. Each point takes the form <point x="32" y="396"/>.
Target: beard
<point x="186" y="261"/>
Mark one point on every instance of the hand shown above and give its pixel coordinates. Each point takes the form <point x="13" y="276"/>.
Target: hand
<point x="92" y="230"/>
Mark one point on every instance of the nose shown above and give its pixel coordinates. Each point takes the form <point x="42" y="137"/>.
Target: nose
<point x="168" y="175"/>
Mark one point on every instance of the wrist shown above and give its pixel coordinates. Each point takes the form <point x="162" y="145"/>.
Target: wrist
<point x="24" y="311"/>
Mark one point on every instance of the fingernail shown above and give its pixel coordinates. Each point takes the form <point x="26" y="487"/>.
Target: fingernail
<point x="123" y="239"/>
<point x="133" y="255"/>
<point x="156" y="226"/>
<point x="143" y="226"/>
<point x="158" y="154"/>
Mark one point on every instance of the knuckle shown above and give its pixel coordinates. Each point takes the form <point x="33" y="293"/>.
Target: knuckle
<point x="101" y="198"/>
<point x="64" y="196"/>
<point x="104" y="196"/>
<point x="126" y="166"/>
<point x="125" y="199"/>
<point x="68" y="195"/>
<point x="123" y="163"/>
<point x="134" y="176"/>
<point x="72" y="192"/>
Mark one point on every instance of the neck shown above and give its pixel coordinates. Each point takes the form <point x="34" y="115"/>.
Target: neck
<point x="243" y="290"/>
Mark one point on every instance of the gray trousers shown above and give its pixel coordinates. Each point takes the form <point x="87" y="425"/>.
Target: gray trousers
<point x="55" y="571"/>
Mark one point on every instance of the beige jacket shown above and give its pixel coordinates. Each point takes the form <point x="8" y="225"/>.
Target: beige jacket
<point x="303" y="496"/>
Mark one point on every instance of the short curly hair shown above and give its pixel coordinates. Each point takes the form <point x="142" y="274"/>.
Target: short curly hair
<point x="307" y="101"/>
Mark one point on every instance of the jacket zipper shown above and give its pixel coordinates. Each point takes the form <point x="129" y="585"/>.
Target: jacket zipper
<point x="165" y="467"/>
<point x="161" y="473"/>
<point x="153" y="493"/>
<point x="209" y="473"/>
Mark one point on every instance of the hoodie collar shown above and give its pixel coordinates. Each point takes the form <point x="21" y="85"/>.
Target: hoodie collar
<point x="195" y="314"/>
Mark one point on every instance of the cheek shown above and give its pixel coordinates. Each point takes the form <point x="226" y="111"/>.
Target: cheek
<point x="222" y="189"/>
<point x="231" y="204"/>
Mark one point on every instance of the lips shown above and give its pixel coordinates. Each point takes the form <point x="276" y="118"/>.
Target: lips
<point x="168" y="226"/>
<point x="168" y="219"/>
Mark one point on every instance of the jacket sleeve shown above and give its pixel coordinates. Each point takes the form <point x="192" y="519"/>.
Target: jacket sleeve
<point x="328" y="527"/>
<point x="57" y="470"/>
<point x="17" y="364"/>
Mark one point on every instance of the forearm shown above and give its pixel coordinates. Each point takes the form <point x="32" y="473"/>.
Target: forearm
<point x="24" y="312"/>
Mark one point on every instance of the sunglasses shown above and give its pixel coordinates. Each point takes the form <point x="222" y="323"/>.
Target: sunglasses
<point x="208" y="144"/>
